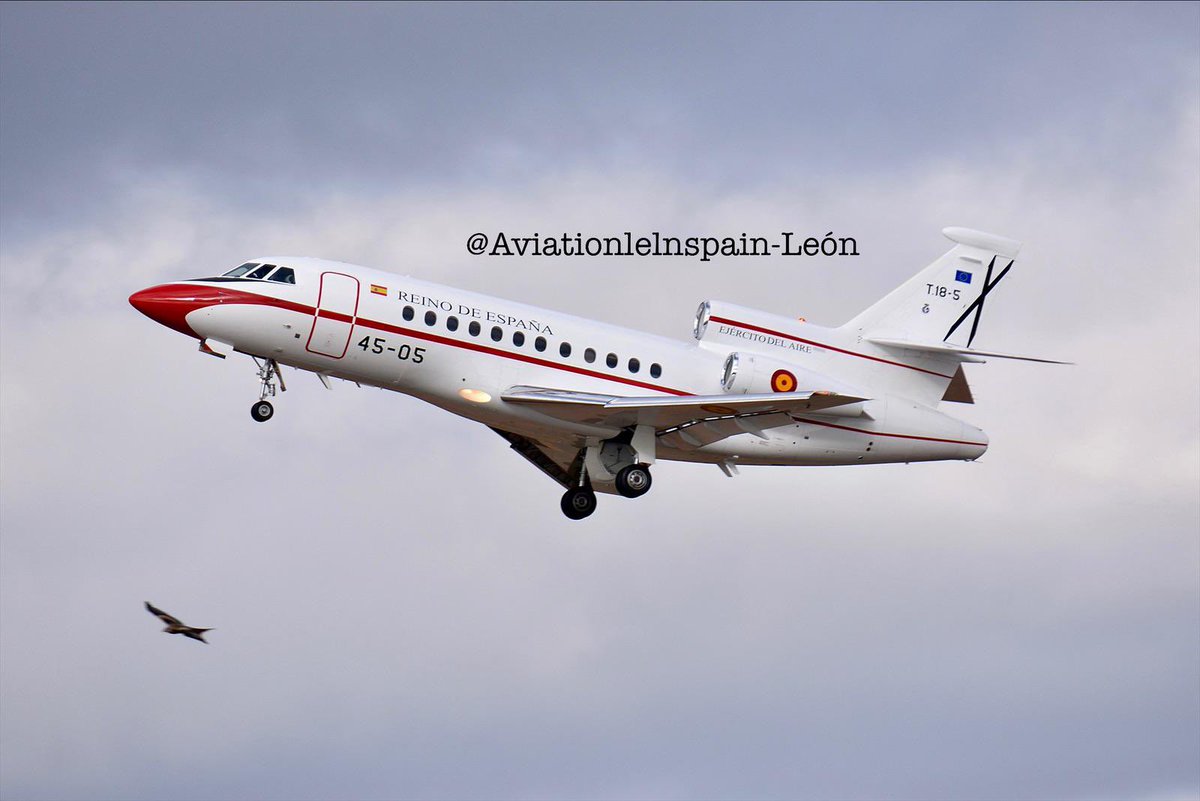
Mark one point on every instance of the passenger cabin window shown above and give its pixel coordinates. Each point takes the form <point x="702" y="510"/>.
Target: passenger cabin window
<point x="589" y="355"/>
<point x="539" y="344"/>
<point x="430" y="318"/>
<point x="611" y="360"/>
<point x="262" y="271"/>
<point x="242" y="270"/>
<point x="518" y="338"/>
<point x="497" y="333"/>
<point x="474" y="328"/>
<point x="407" y="314"/>
<point x="452" y="323"/>
<point x="564" y="349"/>
<point x="634" y="365"/>
<point x="284" y="275"/>
<point x="655" y="370"/>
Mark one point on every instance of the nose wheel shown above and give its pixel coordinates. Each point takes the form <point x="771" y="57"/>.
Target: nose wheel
<point x="262" y="411"/>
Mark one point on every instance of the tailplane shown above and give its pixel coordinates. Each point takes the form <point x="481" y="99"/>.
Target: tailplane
<point x="930" y="322"/>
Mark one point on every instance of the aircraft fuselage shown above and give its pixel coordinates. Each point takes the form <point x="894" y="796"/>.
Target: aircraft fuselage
<point x="433" y="342"/>
<point x="464" y="352"/>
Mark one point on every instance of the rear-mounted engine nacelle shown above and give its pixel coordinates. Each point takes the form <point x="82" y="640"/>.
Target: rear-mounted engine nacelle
<point x="752" y="373"/>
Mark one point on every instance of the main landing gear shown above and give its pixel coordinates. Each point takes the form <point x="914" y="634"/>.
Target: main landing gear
<point x="633" y="481"/>
<point x="268" y="371"/>
<point x="578" y="502"/>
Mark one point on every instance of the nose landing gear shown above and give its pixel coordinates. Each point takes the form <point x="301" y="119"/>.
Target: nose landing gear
<point x="262" y="411"/>
<point x="268" y="371"/>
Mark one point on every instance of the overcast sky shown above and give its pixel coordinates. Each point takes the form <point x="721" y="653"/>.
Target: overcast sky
<point x="401" y="609"/>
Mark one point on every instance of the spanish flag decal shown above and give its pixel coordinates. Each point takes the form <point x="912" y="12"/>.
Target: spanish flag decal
<point x="376" y="289"/>
<point x="783" y="381"/>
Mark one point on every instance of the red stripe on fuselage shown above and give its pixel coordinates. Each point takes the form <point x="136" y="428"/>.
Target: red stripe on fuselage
<point x="520" y="357"/>
<point x="816" y="344"/>
<point x="250" y="298"/>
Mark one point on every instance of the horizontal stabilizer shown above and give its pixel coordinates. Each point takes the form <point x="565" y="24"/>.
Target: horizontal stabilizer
<point x="964" y="354"/>
<point x="664" y="412"/>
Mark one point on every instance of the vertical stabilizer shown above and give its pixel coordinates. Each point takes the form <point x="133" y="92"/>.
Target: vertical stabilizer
<point x="943" y="304"/>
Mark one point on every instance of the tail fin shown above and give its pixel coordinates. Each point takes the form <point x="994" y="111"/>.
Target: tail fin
<point x="196" y="634"/>
<point x="943" y="303"/>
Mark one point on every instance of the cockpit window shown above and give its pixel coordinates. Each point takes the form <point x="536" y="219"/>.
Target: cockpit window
<point x="239" y="271"/>
<point x="284" y="275"/>
<point x="262" y="271"/>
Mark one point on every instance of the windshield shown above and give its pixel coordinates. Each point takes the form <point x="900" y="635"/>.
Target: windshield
<point x="255" y="271"/>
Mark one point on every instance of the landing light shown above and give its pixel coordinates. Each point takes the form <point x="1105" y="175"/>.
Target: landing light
<point x="475" y="395"/>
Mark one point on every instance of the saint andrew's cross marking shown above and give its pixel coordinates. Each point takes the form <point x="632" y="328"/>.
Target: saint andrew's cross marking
<point x="977" y="305"/>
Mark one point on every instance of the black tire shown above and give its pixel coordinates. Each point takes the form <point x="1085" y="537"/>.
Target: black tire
<point x="578" y="503"/>
<point x="262" y="411"/>
<point x="634" y="481"/>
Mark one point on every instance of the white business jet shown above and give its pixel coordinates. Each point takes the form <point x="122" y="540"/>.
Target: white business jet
<point x="593" y="405"/>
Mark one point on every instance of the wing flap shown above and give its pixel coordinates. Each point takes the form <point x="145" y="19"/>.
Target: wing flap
<point x="698" y="433"/>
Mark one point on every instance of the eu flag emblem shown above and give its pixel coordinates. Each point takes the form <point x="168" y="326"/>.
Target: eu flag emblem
<point x="962" y="276"/>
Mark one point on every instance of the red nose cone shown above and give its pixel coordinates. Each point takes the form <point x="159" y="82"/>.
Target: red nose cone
<point x="170" y="304"/>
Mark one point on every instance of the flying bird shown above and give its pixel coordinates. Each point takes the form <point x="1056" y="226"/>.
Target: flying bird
<point x="176" y="626"/>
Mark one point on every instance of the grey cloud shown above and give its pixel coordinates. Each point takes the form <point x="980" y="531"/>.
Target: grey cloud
<point x="270" y="105"/>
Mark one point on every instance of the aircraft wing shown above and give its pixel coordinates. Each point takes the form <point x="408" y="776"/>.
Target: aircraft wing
<point x="665" y="413"/>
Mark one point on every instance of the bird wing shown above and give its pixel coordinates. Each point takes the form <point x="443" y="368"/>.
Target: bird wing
<point x="163" y="616"/>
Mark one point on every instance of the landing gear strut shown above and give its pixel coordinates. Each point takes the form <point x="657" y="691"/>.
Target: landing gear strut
<point x="268" y="372"/>
<point x="579" y="501"/>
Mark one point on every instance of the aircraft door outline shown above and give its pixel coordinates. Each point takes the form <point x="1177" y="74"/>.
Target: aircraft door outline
<point x="334" y="316"/>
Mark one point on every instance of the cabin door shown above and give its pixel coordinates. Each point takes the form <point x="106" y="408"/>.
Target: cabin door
<point x="333" y="322"/>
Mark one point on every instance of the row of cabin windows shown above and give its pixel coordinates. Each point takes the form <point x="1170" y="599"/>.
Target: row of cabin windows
<point x="539" y="343"/>
<point x="284" y="275"/>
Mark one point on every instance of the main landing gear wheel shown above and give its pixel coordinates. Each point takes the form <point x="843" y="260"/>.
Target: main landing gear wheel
<point x="634" y="481"/>
<point x="262" y="411"/>
<point x="578" y="503"/>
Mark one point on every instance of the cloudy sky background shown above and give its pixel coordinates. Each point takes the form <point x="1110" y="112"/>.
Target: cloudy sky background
<point x="402" y="610"/>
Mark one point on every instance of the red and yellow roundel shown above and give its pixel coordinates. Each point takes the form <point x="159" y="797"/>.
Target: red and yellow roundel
<point x="783" y="381"/>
